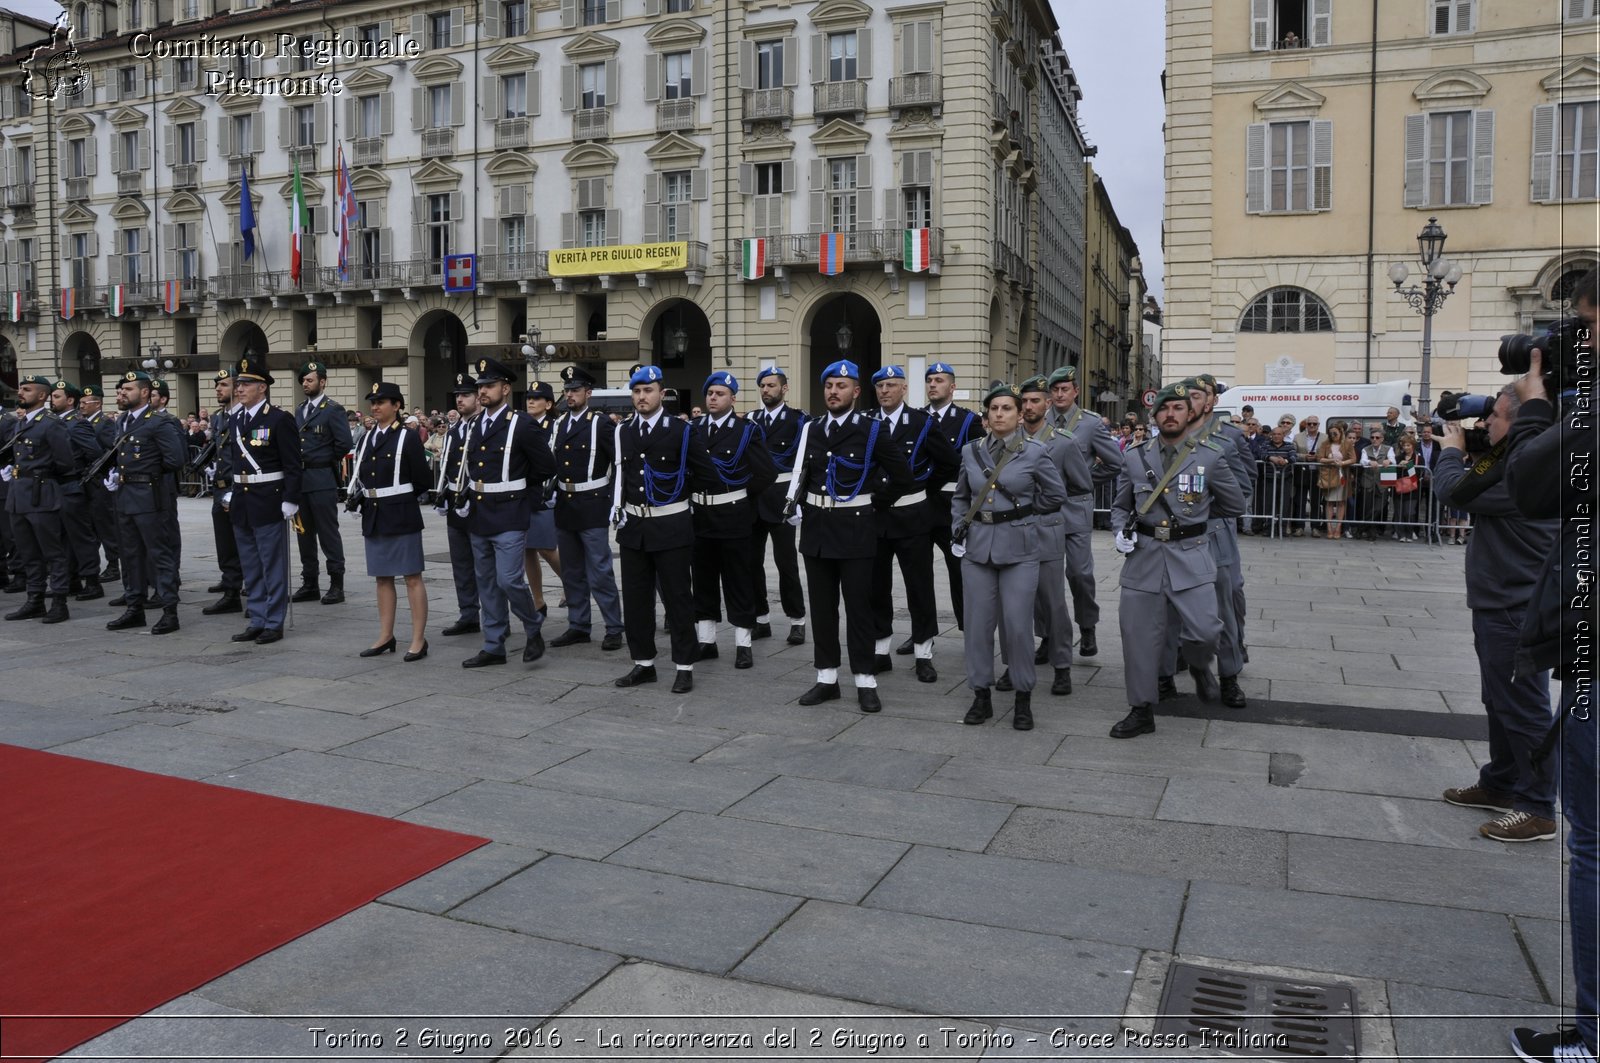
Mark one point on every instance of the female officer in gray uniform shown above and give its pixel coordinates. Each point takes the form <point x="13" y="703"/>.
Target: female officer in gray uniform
<point x="1006" y="481"/>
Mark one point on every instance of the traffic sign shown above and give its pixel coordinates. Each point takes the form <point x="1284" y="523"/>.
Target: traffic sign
<point x="1148" y="398"/>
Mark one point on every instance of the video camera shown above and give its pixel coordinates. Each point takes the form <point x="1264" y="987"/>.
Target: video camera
<point x="1559" y="344"/>
<point x="1461" y="405"/>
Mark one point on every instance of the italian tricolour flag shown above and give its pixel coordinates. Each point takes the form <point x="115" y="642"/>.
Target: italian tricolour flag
<point x="16" y="307"/>
<point x="119" y="300"/>
<point x="917" y="246"/>
<point x="753" y="264"/>
<point x="299" y="222"/>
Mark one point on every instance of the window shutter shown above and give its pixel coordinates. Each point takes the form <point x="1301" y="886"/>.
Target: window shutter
<point x="531" y="91"/>
<point x="489" y="97"/>
<point x="1544" y="153"/>
<point x="747" y="65"/>
<point x="94" y="245"/>
<point x="1579" y="9"/>
<point x="116" y="154"/>
<point x="419" y="233"/>
<point x="652" y="225"/>
<point x="1416" y="189"/>
<point x="1322" y="164"/>
<point x="169" y="252"/>
<point x="893" y="216"/>
<point x="112" y="86"/>
<point x="419" y="108"/>
<point x="613" y="14"/>
<point x="863" y="171"/>
<point x="199" y="141"/>
<point x="458" y="105"/>
<point x="819" y="212"/>
<point x="613" y="226"/>
<point x="319" y="122"/>
<point x="144" y="149"/>
<point x="819" y="58"/>
<point x="164" y="77"/>
<point x="760" y="211"/>
<point x="419" y="29"/>
<point x="569" y="21"/>
<point x="286" y="128"/>
<point x="569" y="225"/>
<point x="569" y="87"/>
<point x="514" y="201"/>
<point x="386" y="112"/>
<point x="652" y="189"/>
<point x="864" y="53"/>
<point x="1255" y="168"/>
<point x="652" y="8"/>
<point x="1483" y="156"/>
<point x="699" y="71"/>
<point x="1260" y="25"/>
<point x="863" y="211"/>
<point x="925" y="168"/>
<point x="456" y="212"/>
<point x="700" y="184"/>
<point x="489" y="27"/>
<point x="489" y="242"/>
<point x="788" y="175"/>
<point x="652" y="77"/>
<point x="386" y="30"/>
<point x="613" y="83"/>
<point x="791" y="62"/>
<point x="457" y="26"/>
<point x="1466" y="16"/>
<point x="352" y="115"/>
<point x="91" y="157"/>
<point x="169" y="147"/>
<point x="1321" y="23"/>
<point x="747" y="179"/>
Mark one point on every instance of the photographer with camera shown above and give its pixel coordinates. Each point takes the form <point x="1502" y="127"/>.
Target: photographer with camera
<point x="1549" y="475"/>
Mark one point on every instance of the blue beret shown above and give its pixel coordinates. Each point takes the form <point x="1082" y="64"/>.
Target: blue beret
<point x="889" y="372"/>
<point x="842" y="368"/>
<point x="723" y="379"/>
<point x="645" y="374"/>
<point x="771" y="370"/>
<point x="940" y="367"/>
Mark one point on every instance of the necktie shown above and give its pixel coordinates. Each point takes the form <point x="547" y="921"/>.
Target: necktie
<point x="827" y="430"/>
<point x="1168" y="456"/>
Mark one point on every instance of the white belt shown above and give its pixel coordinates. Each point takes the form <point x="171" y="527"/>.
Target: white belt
<point x="949" y="488"/>
<point x="827" y="502"/>
<point x="909" y="500"/>
<point x="587" y="485"/>
<point x="657" y="511"/>
<point x="721" y="500"/>
<point x="784" y="477"/>
<point x="499" y="488"/>
<point x="387" y="492"/>
<point x="257" y="477"/>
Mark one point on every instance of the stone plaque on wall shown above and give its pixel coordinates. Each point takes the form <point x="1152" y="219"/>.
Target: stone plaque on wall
<point x="1284" y="372"/>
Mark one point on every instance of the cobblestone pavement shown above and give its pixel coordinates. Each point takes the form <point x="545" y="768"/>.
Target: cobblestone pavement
<point x="730" y="852"/>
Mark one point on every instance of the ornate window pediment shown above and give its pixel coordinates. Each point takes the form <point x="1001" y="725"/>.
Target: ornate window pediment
<point x="511" y="166"/>
<point x="230" y="198"/>
<point x="310" y="185"/>
<point x="369" y="182"/>
<point x="130" y="209"/>
<point x="840" y="14"/>
<point x="1579" y="77"/>
<point x="1290" y="100"/>
<point x="185" y="203"/>
<point x="674" y="151"/>
<point x="127" y="117"/>
<point x="841" y="135"/>
<point x="238" y="102"/>
<point x="590" y="160"/>
<point x="769" y="31"/>
<point x="435" y="173"/>
<point x="76" y="125"/>
<point x="366" y="80"/>
<point x="77" y="216"/>
<point x="511" y="55"/>
<point x="184" y="109"/>
<point x="435" y="69"/>
<point x="1457" y="87"/>
<point x="675" y="33"/>
<point x="590" y="47"/>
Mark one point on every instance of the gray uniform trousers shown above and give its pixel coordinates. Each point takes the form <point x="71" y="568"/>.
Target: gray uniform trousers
<point x="463" y="570"/>
<point x="1050" y="617"/>
<point x="1012" y="588"/>
<point x="1230" y="641"/>
<point x="503" y="588"/>
<point x="1143" y="621"/>
<point x="1079" y="560"/>
<point x="586" y="570"/>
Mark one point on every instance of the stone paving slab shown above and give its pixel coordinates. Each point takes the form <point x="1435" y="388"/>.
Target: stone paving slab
<point x="1441" y="1023"/>
<point x="311" y="728"/>
<point x="792" y="860"/>
<point x="1517" y="879"/>
<point x="179" y="751"/>
<point x="1549" y="943"/>
<point x="994" y="741"/>
<point x="829" y="761"/>
<point x="196" y="1029"/>
<point x="647" y="780"/>
<point x="1334" y="692"/>
<point x="1167" y="753"/>
<point x="667" y="740"/>
<point x="344" y="782"/>
<point x="1073" y="790"/>
<point x="1399" y="765"/>
<point x="505" y="719"/>
<point x="462" y="878"/>
<point x="926" y="819"/>
<point x="541" y="819"/>
<point x="36" y="727"/>
<point x="687" y="923"/>
<point x="817" y="722"/>
<point x="443" y="749"/>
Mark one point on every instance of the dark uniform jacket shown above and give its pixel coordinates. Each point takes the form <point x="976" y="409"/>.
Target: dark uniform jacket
<point x="782" y="431"/>
<point x="831" y="471"/>
<point x="958" y="425"/>
<point x="389" y="474"/>
<point x="450" y="458"/>
<point x="44" y="464"/>
<point x="741" y="462"/>
<point x="584" y="446"/>
<point x="933" y="462"/>
<point x="149" y="451"/>
<point x="221" y="429"/>
<point x="86" y="448"/>
<point x="324" y="441"/>
<point x="504" y="447"/>
<point x="264" y="444"/>
<point x="663" y="470"/>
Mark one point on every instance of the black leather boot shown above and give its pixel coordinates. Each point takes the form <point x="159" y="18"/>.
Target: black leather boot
<point x="168" y="622"/>
<point x="309" y="591"/>
<point x="91" y="590"/>
<point x="1003" y="684"/>
<point x="1232" y="695"/>
<point x="228" y="603"/>
<point x="1087" y="647"/>
<point x="981" y="709"/>
<point x="33" y="607"/>
<point x="131" y="617"/>
<point x="1063" y="682"/>
<point x="1139" y="721"/>
<point x="1022" y="711"/>
<point x="1166" y="688"/>
<point x="57" y="612"/>
<point x="335" y="593"/>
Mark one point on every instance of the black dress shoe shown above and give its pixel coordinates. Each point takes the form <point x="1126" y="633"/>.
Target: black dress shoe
<point x="569" y="637"/>
<point x="1166" y="688"/>
<point x="641" y="673"/>
<point x="1205" y="684"/>
<point x="1004" y="682"/>
<point x="797" y="634"/>
<point x="462" y="627"/>
<point x="867" y="698"/>
<point x="1139" y="721"/>
<point x="228" y="603"/>
<point x="215" y="588"/>
<point x="761" y="631"/>
<point x="168" y="622"/>
<point x="1232" y="696"/>
<point x="1087" y="647"/>
<point x="484" y="659"/>
<point x="130" y="619"/>
<point x="683" y="682"/>
<point x="249" y="634"/>
<point x="925" y="672"/>
<point x="1042" y="654"/>
<point x="379" y="650"/>
<point x="119" y="602"/>
<point x="419" y="655"/>
<point x="744" y="657"/>
<point x="1022" y="711"/>
<point x="981" y="709"/>
<point x="1063" y="682"/>
<point x="534" y="649"/>
<point x="91" y="591"/>
<point x="335" y="595"/>
<point x="905" y="648"/>
<point x="611" y="642"/>
<point x="706" y="652"/>
<point x="269" y="636"/>
<point x="819" y="693"/>
<point x="308" y="592"/>
<point x="111" y="574"/>
<point x="881" y="663"/>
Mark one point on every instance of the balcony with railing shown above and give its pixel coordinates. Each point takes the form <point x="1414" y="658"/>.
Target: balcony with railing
<point x="438" y="143"/>
<point x="861" y="247"/>
<point x="511" y="133"/>
<point x="19" y="197"/>
<point x="839" y="97"/>
<point x="305" y="155"/>
<point x="130" y="183"/>
<point x="246" y="283"/>
<point x="139" y="292"/>
<point x="1000" y="117"/>
<point x="77" y="189"/>
<point x="591" y="123"/>
<point x="85" y="296"/>
<point x="768" y="105"/>
<point x="366" y="151"/>
<point x="186" y="175"/>
<point x="675" y="115"/>
<point x="916" y="90"/>
<point x="512" y="266"/>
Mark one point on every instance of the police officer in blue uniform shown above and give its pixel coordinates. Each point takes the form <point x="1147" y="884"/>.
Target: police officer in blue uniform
<point x="263" y="453"/>
<point x="959" y="426"/>
<point x="83" y="549"/>
<point x="324" y="442"/>
<point x="150" y="448"/>
<point x="846" y="466"/>
<point x="780" y="424"/>
<point x="102" y="508"/>
<point x="507" y="461"/>
<point x="42" y="462"/>
<point x="231" y="585"/>
<point x="725" y="519"/>
<point x="661" y="462"/>
<point x="452" y="465"/>
<point x="541" y="545"/>
<point x="584" y="445"/>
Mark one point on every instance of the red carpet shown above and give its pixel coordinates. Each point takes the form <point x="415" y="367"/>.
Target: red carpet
<point x="121" y="889"/>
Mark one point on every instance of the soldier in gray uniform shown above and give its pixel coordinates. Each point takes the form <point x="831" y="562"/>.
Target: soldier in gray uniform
<point x="1006" y="480"/>
<point x="1171" y="487"/>
<point x="324" y="442"/>
<point x="1091" y="436"/>
<point x="150" y="450"/>
<point x="41" y="463"/>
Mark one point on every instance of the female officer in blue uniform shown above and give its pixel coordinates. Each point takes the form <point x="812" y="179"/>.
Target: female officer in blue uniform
<point x="390" y="473"/>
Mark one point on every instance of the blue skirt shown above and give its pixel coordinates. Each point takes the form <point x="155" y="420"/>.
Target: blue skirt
<point x="394" y="555"/>
<point x="541" y="531"/>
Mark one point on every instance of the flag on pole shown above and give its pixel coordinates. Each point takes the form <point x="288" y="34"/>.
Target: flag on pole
<point x="69" y="303"/>
<point x="299" y="224"/>
<point x="754" y="265"/>
<point x="918" y="244"/>
<point x="16" y="307"/>
<point x="347" y="217"/>
<point x="830" y="257"/>
<point x="119" y="299"/>
<point x="169" y="298"/>
<point x="247" y="216"/>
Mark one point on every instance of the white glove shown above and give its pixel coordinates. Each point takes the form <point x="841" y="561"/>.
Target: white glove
<point x="227" y="499"/>
<point x="794" y="518"/>
<point x="8" y="473"/>
<point x="289" y="510"/>
<point x="462" y="510"/>
<point x="1126" y="541"/>
<point x="958" y="549"/>
<point x="112" y="481"/>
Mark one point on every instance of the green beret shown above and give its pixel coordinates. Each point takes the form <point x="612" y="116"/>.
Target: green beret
<point x="314" y="367"/>
<point x="162" y="389"/>
<point x="1039" y="383"/>
<point x="93" y="391"/>
<point x="133" y="375"/>
<point x="1208" y="381"/>
<point x="1001" y="390"/>
<point x="1178" y="392"/>
<point x="1067" y="374"/>
<point x="70" y="388"/>
<point x="43" y="381"/>
<point x="223" y="374"/>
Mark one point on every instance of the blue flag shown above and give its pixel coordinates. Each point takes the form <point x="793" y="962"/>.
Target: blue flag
<point x="247" y="216"/>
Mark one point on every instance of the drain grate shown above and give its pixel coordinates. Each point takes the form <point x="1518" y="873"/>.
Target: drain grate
<point x="1256" y="1015"/>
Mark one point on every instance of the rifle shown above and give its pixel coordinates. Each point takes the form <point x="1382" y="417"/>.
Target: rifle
<point x="97" y="469"/>
<point x="202" y="459"/>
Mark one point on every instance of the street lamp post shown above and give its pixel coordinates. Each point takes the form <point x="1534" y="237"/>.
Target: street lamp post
<point x="1439" y="279"/>
<point x="531" y="353"/>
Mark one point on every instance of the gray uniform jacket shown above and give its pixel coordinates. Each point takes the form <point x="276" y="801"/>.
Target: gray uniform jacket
<point x="1093" y="439"/>
<point x="324" y="441"/>
<point x="1204" y="488"/>
<point x="1236" y="451"/>
<point x="1031" y="479"/>
<point x="1052" y="526"/>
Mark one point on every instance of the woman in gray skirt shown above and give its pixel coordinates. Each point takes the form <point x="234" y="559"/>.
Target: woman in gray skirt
<point x="391" y="476"/>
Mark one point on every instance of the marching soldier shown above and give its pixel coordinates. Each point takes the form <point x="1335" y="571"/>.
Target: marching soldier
<point x="845" y="463"/>
<point x="725" y="519"/>
<point x="904" y="527"/>
<point x="1006" y="482"/>
<point x="452" y="472"/>
<point x="959" y="426"/>
<point x="781" y="425"/>
<point x="149" y="450"/>
<point x="507" y="462"/>
<point x="102" y="508"/>
<point x="83" y="549"/>
<point x="263" y="497"/>
<point x="1091" y="435"/>
<point x="324" y="442"/>
<point x="660" y="462"/>
<point x="1171" y="486"/>
<point x="1243" y="463"/>
<point x="41" y="463"/>
<point x="223" y="422"/>
<point x="583" y="442"/>
<point x="541" y="544"/>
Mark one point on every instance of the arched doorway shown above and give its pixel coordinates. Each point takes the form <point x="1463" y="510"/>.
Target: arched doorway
<point x="80" y="358"/>
<point x="845" y="326"/>
<point x="8" y="370"/>
<point x="440" y="340"/>
<point x="244" y="338"/>
<point x="680" y="343"/>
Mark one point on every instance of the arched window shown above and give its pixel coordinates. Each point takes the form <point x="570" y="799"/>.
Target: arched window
<point x="1286" y="310"/>
<point x="1561" y="291"/>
